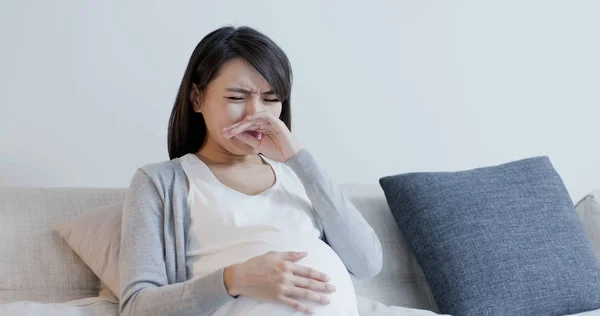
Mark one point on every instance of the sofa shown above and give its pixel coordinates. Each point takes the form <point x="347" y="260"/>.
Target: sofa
<point x="41" y="275"/>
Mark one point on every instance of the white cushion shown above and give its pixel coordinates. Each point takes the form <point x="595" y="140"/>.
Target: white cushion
<point x="588" y="210"/>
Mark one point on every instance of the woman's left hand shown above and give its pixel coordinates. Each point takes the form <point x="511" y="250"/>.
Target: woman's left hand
<point x="268" y="134"/>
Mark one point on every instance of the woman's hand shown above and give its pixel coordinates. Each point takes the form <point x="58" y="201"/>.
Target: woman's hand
<point x="275" y="277"/>
<point x="268" y="134"/>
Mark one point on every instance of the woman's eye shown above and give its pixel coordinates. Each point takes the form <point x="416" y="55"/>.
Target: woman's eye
<point x="235" y="98"/>
<point x="271" y="100"/>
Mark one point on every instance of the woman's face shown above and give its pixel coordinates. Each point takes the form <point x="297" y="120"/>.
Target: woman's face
<point x="238" y="90"/>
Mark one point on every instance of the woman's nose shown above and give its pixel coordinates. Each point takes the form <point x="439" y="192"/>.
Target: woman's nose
<point x="254" y="105"/>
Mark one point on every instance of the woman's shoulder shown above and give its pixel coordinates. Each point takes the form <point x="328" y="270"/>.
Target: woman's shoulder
<point x="165" y="173"/>
<point x="163" y="167"/>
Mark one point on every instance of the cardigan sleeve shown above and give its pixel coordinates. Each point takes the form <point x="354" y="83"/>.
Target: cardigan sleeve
<point x="144" y="284"/>
<point x="345" y="229"/>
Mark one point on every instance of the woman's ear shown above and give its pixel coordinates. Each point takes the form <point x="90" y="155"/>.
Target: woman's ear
<point x="196" y="98"/>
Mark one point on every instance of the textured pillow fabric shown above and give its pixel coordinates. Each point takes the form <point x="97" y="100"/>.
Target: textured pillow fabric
<point x="502" y="240"/>
<point x="96" y="237"/>
<point x="588" y="210"/>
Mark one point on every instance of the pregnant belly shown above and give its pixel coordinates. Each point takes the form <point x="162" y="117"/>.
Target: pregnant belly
<point x="320" y="257"/>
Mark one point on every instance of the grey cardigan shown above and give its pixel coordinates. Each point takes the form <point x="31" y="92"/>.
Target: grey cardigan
<point x="155" y="278"/>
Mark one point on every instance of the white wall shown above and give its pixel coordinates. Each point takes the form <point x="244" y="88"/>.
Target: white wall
<point x="86" y="87"/>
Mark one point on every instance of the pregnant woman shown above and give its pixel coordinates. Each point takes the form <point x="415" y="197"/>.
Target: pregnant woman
<point x="241" y="220"/>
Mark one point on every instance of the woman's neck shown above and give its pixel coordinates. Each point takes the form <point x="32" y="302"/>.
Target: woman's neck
<point x="213" y="154"/>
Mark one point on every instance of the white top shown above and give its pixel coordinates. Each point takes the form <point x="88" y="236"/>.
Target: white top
<point x="229" y="227"/>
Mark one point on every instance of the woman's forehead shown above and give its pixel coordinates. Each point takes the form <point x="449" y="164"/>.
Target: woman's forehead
<point x="238" y="73"/>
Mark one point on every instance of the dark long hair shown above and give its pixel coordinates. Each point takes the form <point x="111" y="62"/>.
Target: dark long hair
<point x="187" y="129"/>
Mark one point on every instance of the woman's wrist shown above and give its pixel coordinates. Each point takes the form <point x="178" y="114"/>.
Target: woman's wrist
<point x="292" y="154"/>
<point x="231" y="280"/>
<point x="292" y="146"/>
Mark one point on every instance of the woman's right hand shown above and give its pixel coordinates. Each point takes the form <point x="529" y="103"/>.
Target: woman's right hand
<point x="274" y="276"/>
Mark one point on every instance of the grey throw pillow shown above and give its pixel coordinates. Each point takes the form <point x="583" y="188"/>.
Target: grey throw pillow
<point x="502" y="240"/>
<point x="96" y="237"/>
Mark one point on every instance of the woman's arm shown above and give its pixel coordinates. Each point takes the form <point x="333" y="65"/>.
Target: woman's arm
<point x="346" y="231"/>
<point x="144" y="284"/>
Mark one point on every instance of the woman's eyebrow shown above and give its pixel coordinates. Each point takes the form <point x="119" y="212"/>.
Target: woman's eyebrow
<point x="246" y="91"/>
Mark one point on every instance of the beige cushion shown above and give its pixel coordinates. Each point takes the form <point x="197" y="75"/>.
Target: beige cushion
<point x="96" y="237"/>
<point x="588" y="210"/>
<point x="35" y="263"/>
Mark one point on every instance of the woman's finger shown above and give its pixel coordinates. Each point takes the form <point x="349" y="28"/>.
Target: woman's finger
<point x="312" y="284"/>
<point x="248" y="139"/>
<point x="249" y="126"/>
<point x="253" y="125"/>
<point x="237" y="126"/>
<point x="264" y="115"/>
<point x="292" y="255"/>
<point x="234" y="125"/>
<point x="259" y="115"/>
<point x="309" y="273"/>
<point x="295" y="304"/>
<point x="307" y="294"/>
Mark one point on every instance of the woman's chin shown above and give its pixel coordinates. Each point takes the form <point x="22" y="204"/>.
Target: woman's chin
<point x="242" y="148"/>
